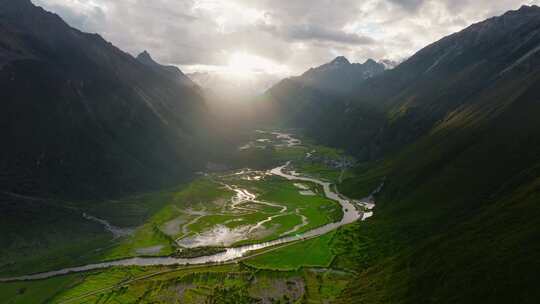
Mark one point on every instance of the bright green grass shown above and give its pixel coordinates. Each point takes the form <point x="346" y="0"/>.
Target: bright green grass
<point x="319" y="171"/>
<point x="279" y="190"/>
<point x="207" y="222"/>
<point x="117" y="284"/>
<point x="283" y="222"/>
<point x="205" y="194"/>
<point x="317" y="209"/>
<point x="278" y="226"/>
<point x="262" y="208"/>
<point x="100" y="280"/>
<point x="201" y="192"/>
<point x="214" y="284"/>
<point x="312" y="253"/>
<point x="145" y="237"/>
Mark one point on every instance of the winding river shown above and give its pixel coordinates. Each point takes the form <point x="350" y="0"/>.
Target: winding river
<point x="350" y="215"/>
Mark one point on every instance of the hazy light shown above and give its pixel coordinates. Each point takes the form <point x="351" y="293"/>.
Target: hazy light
<point x="245" y="63"/>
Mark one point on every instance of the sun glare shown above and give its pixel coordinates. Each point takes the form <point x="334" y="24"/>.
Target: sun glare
<point x="242" y="64"/>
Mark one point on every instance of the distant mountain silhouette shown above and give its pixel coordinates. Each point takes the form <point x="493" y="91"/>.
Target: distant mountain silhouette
<point x="340" y="75"/>
<point x="173" y="71"/>
<point x="336" y="77"/>
<point x="310" y="98"/>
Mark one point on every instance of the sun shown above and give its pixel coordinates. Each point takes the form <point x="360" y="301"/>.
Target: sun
<point x="243" y="64"/>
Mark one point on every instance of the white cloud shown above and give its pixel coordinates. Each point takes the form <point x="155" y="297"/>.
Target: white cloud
<point x="281" y="36"/>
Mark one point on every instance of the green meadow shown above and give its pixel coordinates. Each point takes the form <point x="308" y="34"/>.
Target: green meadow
<point x="158" y="222"/>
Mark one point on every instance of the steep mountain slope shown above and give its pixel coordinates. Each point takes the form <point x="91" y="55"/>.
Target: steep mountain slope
<point x="458" y="218"/>
<point x="82" y="118"/>
<point x="458" y="71"/>
<point x="454" y="133"/>
<point x="424" y="89"/>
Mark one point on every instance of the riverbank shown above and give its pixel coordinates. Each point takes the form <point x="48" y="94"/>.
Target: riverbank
<point x="350" y="214"/>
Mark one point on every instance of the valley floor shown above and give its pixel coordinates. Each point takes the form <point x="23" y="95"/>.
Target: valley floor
<point x="220" y="209"/>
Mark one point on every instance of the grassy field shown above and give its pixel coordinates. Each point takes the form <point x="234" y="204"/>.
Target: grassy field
<point x="312" y="253"/>
<point x="150" y="237"/>
<point x="300" y="272"/>
<point x="217" y="284"/>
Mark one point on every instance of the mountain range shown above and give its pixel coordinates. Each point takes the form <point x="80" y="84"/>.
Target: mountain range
<point x="82" y="118"/>
<point x="451" y="136"/>
<point x="339" y="75"/>
<point x="307" y="100"/>
<point x="453" y="132"/>
<point x="408" y="100"/>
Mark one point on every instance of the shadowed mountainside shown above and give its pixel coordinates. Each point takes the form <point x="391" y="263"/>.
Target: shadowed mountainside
<point x="82" y="118"/>
<point x="454" y="133"/>
<point x="396" y="107"/>
<point x="314" y="99"/>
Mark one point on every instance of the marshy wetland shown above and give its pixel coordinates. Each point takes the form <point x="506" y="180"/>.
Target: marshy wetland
<point x="263" y="219"/>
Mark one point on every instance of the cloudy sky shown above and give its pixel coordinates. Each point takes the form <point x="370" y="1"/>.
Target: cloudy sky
<point x="282" y="37"/>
